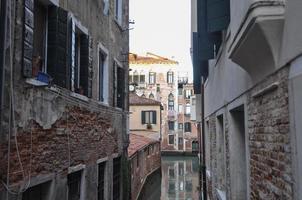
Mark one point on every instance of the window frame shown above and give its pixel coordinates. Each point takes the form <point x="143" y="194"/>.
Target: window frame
<point x="170" y="135"/>
<point x="105" y="97"/>
<point x="118" y="14"/>
<point x="152" y="78"/>
<point x="170" y="77"/>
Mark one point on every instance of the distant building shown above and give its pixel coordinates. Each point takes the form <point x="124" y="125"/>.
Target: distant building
<point x="156" y="77"/>
<point x="145" y="159"/>
<point x="145" y="116"/>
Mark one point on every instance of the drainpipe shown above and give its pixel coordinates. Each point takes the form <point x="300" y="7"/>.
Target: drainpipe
<point x="3" y="20"/>
<point x="204" y="181"/>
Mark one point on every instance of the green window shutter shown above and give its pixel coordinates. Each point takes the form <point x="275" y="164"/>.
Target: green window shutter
<point x="28" y="36"/>
<point x="143" y="113"/>
<point x="218" y="15"/>
<point x="57" y="46"/>
<point x="86" y="64"/>
<point x="154" y="117"/>
<point x="120" y="87"/>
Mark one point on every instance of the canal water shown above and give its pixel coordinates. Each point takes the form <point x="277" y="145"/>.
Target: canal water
<point x="176" y="180"/>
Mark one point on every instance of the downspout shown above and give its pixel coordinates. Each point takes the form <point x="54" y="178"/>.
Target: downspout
<point x="3" y="22"/>
<point x="204" y="181"/>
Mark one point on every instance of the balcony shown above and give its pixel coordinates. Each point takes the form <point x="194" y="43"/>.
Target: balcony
<point x="256" y="44"/>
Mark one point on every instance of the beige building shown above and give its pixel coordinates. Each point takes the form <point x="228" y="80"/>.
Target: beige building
<point x="145" y="116"/>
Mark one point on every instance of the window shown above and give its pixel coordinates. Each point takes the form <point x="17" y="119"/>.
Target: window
<point x="105" y="7"/>
<point x="189" y="186"/>
<point x="171" y="173"/>
<point x="130" y="78"/>
<point x="81" y="62"/>
<point x="135" y="77"/>
<point x="180" y="141"/>
<point x="118" y="85"/>
<point x="119" y="11"/>
<point x="152" y="78"/>
<point x="180" y="126"/>
<point x="101" y="180"/>
<point x="170" y="77"/>
<point x="143" y="95"/>
<point x="74" y="185"/>
<point x="188" y="109"/>
<point x="181" y="168"/>
<point x="157" y="87"/>
<point x="187" y="127"/>
<point x="171" y="102"/>
<point x="180" y="108"/>
<point x="103" y="74"/>
<point x="180" y="91"/>
<point x="171" y="139"/>
<point x="171" y="125"/>
<point x="188" y="94"/>
<point x="38" y="192"/>
<point x="151" y="96"/>
<point x="148" y="117"/>
<point x="116" y="178"/>
<point x="40" y="38"/>
<point x="142" y="79"/>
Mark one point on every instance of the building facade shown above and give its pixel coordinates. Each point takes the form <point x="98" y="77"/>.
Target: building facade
<point x="187" y="129"/>
<point x="156" y="77"/>
<point x="250" y="56"/>
<point x="64" y="107"/>
<point x="145" y="159"/>
<point x="145" y="116"/>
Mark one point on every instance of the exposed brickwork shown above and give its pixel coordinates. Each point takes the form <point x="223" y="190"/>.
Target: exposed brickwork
<point x="268" y="137"/>
<point x="142" y="168"/>
<point x="79" y="137"/>
<point x="270" y="151"/>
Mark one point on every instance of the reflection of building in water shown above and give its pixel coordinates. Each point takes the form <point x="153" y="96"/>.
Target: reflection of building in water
<point x="179" y="178"/>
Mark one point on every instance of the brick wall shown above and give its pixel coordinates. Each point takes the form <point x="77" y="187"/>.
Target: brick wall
<point x="147" y="165"/>
<point x="268" y="137"/>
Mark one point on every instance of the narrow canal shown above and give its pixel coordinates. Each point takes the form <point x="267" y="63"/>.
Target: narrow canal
<point x="176" y="180"/>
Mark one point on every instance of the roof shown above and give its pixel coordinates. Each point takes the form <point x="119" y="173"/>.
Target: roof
<point x="134" y="99"/>
<point x="138" y="142"/>
<point x="150" y="58"/>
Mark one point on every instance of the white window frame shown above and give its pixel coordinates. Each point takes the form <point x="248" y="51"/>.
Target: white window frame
<point x="105" y="51"/>
<point x="119" y="12"/>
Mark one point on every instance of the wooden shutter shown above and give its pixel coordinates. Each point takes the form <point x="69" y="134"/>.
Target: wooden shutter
<point x="28" y="37"/>
<point x="86" y="64"/>
<point x="143" y="117"/>
<point x="121" y="87"/>
<point x="57" y="66"/>
<point x="154" y="117"/>
<point x="218" y="15"/>
<point x="101" y="76"/>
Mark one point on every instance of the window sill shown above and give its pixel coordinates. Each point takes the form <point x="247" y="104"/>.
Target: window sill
<point x="34" y="82"/>
<point x="119" y="24"/>
<point x="103" y="103"/>
<point x="79" y="96"/>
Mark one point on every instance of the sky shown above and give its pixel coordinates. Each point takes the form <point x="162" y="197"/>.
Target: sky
<point x="162" y="27"/>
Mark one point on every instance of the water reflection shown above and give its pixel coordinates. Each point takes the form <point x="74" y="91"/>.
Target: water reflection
<point x="178" y="180"/>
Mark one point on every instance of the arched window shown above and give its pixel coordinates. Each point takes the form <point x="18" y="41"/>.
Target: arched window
<point x="143" y="95"/>
<point x="151" y="96"/>
<point x="171" y="102"/>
